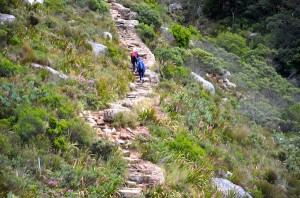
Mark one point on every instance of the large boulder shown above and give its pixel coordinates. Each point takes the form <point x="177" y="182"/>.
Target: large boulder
<point x="7" y="18"/>
<point x="227" y="187"/>
<point x="98" y="48"/>
<point x="205" y="83"/>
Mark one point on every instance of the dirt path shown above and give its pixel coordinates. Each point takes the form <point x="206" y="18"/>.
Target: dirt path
<point x="141" y="174"/>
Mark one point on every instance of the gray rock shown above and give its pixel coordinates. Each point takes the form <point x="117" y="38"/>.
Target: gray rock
<point x="98" y="48"/>
<point x="109" y="115"/>
<point x="167" y="34"/>
<point x="153" y="77"/>
<point x="132" y="86"/>
<point x="226" y="187"/>
<point x="107" y="35"/>
<point x="7" y="18"/>
<point x="52" y="71"/>
<point x="175" y="7"/>
<point x="224" y="99"/>
<point x="131" y="192"/>
<point x="206" y="84"/>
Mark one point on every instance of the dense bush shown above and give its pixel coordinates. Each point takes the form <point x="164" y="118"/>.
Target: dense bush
<point x="98" y="5"/>
<point x="233" y="43"/>
<point x="185" y="145"/>
<point x="7" y="68"/>
<point x="103" y="149"/>
<point x="146" y="32"/>
<point x="148" y="15"/>
<point x="181" y="34"/>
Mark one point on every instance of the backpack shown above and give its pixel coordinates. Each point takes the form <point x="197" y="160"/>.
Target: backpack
<point x="134" y="55"/>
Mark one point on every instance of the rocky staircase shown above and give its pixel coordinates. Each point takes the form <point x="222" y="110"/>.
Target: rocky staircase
<point x="141" y="174"/>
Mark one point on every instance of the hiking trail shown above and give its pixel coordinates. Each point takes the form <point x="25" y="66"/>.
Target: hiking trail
<point x="141" y="174"/>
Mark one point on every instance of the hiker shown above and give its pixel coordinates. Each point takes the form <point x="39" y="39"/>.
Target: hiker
<point x="134" y="56"/>
<point x="141" y="68"/>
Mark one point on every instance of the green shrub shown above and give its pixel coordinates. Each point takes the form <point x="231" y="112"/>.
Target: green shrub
<point x="181" y="34"/>
<point x="98" y="5"/>
<point x="125" y="119"/>
<point x="185" y="145"/>
<point x="271" y="176"/>
<point x="80" y="132"/>
<point x="7" y="68"/>
<point x="31" y="122"/>
<point x="146" y="32"/>
<point x="233" y="43"/>
<point x="147" y="15"/>
<point x="103" y="149"/>
<point x="291" y="117"/>
<point x="147" y="116"/>
<point x="169" y="55"/>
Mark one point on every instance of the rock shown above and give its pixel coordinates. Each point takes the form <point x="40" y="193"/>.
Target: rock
<point x="206" y="84"/>
<point x="52" y="71"/>
<point x="131" y="192"/>
<point x="109" y="115"/>
<point x="119" y="141"/>
<point x="131" y="16"/>
<point x="107" y="35"/>
<point x="100" y="122"/>
<point x="153" y="77"/>
<point x="111" y="1"/>
<point x="126" y="153"/>
<point x="226" y="187"/>
<point x="107" y="131"/>
<point x="224" y="99"/>
<point x="98" y="48"/>
<point x="35" y="1"/>
<point x="131" y="184"/>
<point x="167" y="34"/>
<point x="132" y="86"/>
<point x="175" y="7"/>
<point x="7" y="18"/>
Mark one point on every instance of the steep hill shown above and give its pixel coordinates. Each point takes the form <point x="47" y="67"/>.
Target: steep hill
<point x="75" y="122"/>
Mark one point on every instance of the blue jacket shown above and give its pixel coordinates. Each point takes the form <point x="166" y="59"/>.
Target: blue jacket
<point x="140" y="65"/>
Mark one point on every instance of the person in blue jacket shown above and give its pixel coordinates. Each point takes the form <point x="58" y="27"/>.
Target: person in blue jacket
<point x="141" y="68"/>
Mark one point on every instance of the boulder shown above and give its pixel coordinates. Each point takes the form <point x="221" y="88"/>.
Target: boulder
<point x="7" y="18"/>
<point x="109" y="115"/>
<point x="53" y="72"/>
<point x="226" y="187"/>
<point x="206" y="84"/>
<point x="153" y="76"/>
<point x="98" y="48"/>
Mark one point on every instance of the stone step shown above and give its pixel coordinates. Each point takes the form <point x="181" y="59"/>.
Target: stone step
<point x="139" y="178"/>
<point x="131" y="193"/>
<point x="126" y="153"/>
<point x="131" y="184"/>
<point x="131" y="160"/>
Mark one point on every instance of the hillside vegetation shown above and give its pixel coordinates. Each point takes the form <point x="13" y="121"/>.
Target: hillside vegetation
<point x="248" y="133"/>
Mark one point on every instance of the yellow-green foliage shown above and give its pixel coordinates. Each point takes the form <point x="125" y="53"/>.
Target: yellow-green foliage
<point x="181" y="34"/>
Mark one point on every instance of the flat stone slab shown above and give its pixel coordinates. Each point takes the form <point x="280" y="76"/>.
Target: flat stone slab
<point x="131" y="192"/>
